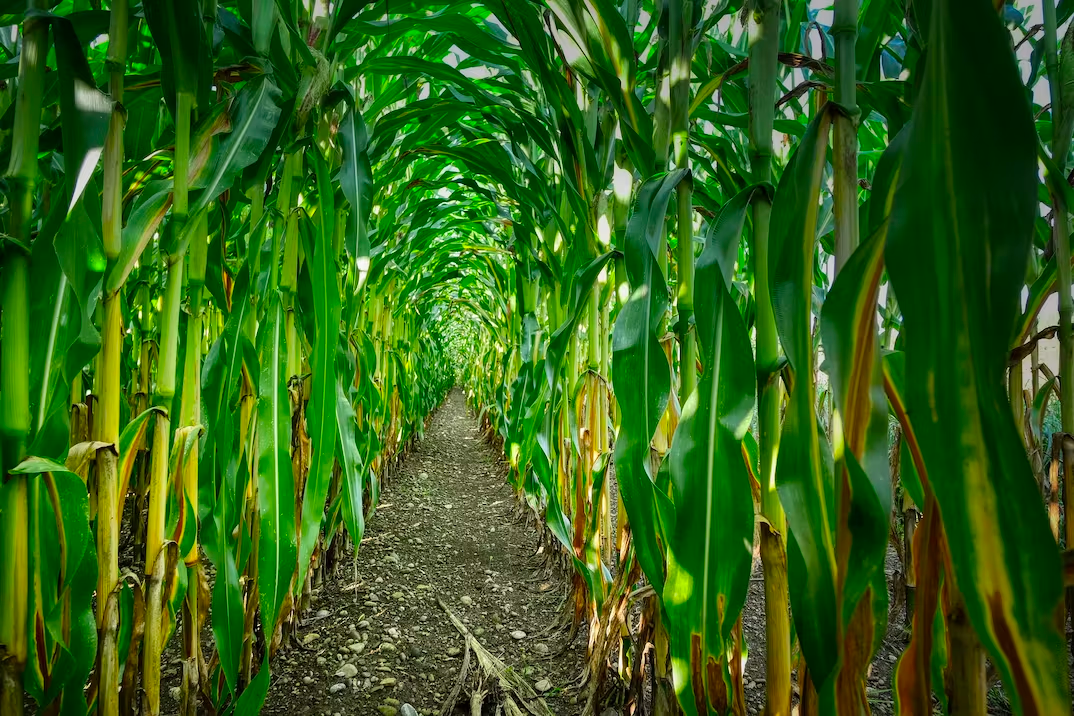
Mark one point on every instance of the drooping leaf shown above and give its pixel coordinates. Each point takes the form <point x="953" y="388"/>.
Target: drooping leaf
<point x="253" y="117"/>
<point x="277" y="549"/>
<point x="852" y="354"/>
<point x="85" y="111"/>
<point x="640" y="371"/>
<point x="957" y="268"/>
<point x="352" y="470"/>
<point x="803" y="471"/>
<point x="321" y="409"/>
<point x="356" y="180"/>
<point x="709" y="551"/>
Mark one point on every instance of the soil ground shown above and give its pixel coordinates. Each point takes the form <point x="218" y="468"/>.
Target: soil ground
<point x="446" y="527"/>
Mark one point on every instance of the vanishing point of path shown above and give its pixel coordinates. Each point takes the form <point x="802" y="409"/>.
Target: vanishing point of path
<point x="445" y="527"/>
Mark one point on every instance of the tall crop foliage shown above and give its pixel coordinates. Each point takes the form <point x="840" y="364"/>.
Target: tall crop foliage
<point x="252" y="406"/>
<point x="773" y="266"/>
<point x="689" y="260"/>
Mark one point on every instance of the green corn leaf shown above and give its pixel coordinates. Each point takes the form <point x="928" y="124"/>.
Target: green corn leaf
<point x="725" y="233"/>
<point x="85" y="111"/>
<point x="253" y="117"/>
<point x="253" y="696"/>
<point x="803" y="472"/>
<point x="82" y="644"/>
<point x="182" y="517"/>
<point x="852" y="354"/>
<point x="581" y="286"/>
<point x="131" y="441"/>
<point x="277" y="551"/>
<point x="149" y="210"/>
<point x="322" y="406"/>
<point x="923" y="661"/>
<point x="262" y="23"/>
<point x="59" y="537"/>
<point x="958" y="246"/>
<point x="81" y="256"/>
<point x="351" y="466"/>
<point x="227" y="604"/>
<point x="50" y="374"/>
<point x="287" y="18"/>
<point x="356" y="179"/>
<point x="641" y="373"/>
<point x="709" y="550"/>
<point x="179" y="35"/>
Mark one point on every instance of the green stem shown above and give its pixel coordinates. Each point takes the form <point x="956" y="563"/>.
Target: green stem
<point x="15" y="358"/>
<point x="680" y="23"/>
<point x="165" y="392"/>
<point x="764" y="45"/>
<point x="845" y="149"/>
<point x="169" y="329"/>
<point x="190" y="414"/>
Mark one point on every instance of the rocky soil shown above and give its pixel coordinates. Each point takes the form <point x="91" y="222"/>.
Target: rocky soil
<point x="376" y="640"/>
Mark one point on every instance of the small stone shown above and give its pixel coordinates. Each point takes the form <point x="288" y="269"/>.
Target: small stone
<point x="379" y="580"/>
<point x="397" y="595"/>
<point x="310" y="638"/>
<point x="541" y="648"/>
<point x="408" y="710"/>
<point x="373" y="597"/>
<point x="322" y="613"/>
<point x="392" y="702"/>
<point x="388" y="681"/>
<point x="175" y="692"/>
<point x="336" y="688"/>
<point x="343" y="612"/>
<point x="751" y="685"/>
<point x="388" y="646"/>
<point x="356" y="647"/>
<point x="466" y="601"/>
<point x="518" y="635"/>
<point x="479" y="631"/>
<point x="393" y="632"/>
<point x="347" y="671"/>
<point x="453" y="651"/>
<point x="321" y="661"/>
<point x="543" y="685"/>
<point x="307" y="679"/>
<point x="388" y="710"/>
<point x="892" y="658"/>
<point x="423" y="476"/>
<point x="364" y="624"/>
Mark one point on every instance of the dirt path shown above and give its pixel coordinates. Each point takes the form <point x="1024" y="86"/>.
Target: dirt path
<point x="444" y="528"/>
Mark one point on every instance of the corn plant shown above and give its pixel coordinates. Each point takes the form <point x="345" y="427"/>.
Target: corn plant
<point x="689" y="260"/>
